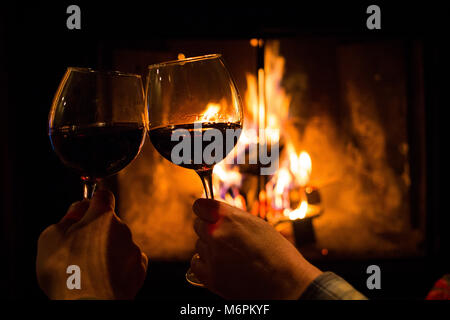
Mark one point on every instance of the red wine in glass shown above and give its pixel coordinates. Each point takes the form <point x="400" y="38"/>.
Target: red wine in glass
<point x="162" y="141"/>
<point x="98" y="150"/>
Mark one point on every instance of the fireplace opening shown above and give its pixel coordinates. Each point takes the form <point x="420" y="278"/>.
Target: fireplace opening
<point x="350" y="180"/>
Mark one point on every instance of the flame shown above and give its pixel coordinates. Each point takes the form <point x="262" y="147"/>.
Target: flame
<point x="300" y="166"/>
<point x="277" y="99"/>
<point x="272" y="136"/>
<point x="300" y="212"/>
<point x="283" y="181"/>
<point x="266" y="107"/>
<point x="261" y="99"/>
<point x="251" y="102"/>
<point x="247" y="137"/>
<point x="211" y="111"/>
<point x="225" y="179"/>
<point x="267" y="103"/>
<point x="230" y="177"/>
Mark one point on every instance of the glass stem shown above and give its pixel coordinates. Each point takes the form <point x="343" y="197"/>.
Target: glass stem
<point x="88" y="187"/>
<point x="206" y="177"/>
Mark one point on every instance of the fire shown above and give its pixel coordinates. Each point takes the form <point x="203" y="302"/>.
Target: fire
<point x="295" y="173"/>
<point x="211" y="112"/>
<point x="301" y="167"/>
<point x="266" y="107"/>
<point x="300" y="212"/>
<point x="230" y="177"/>
<point x="226" y="185"/>
<point x="283" y="181"/>
<point x="261" y="95"/>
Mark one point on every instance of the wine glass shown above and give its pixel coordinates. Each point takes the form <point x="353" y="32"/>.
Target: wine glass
<point x="97" y="123"/>
<point x="190" y="101"/>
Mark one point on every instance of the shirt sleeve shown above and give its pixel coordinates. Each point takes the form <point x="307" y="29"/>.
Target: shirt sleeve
<point x="329" y="286"/>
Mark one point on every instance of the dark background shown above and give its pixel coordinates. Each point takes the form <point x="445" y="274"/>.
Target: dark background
<point x="36" y="48"/>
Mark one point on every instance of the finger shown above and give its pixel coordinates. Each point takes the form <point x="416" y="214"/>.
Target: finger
<point x="77" y="210"/>
<point x="202" y="250"/>
<point x="207" y="209"/>
<point x="202" y="229"/>
<point x="74" y="214"/>
<point x="200" y="269"/>
<point x="103" y="201"/>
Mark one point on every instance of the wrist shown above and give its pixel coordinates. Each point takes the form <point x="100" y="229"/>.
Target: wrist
<point x="304" y="275"/>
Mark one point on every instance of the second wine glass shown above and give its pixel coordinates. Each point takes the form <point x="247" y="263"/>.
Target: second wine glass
<point x="195" y="115"/>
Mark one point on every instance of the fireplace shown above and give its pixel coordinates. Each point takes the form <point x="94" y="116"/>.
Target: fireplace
<point x="364" y="108"/>
<point x="351" y="176"/>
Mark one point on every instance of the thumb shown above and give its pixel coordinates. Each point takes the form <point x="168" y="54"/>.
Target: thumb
<point x="103" y="201"/>
<point x="207" y="209"/>
<point x="74" y="214"/>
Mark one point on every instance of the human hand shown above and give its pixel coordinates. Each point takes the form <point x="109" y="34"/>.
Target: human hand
<point x="241" y="256"/>
<point x="92" y="237"/>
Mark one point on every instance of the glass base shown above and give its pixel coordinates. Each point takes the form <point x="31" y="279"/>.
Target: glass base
<point x="192" y="279"/>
